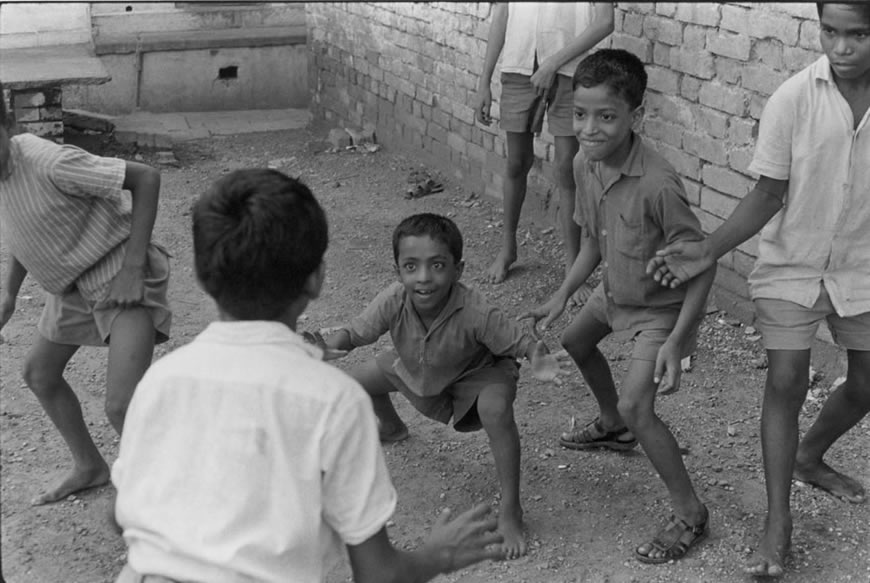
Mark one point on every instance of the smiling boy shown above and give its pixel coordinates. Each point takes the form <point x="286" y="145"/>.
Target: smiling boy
<point x="631" y="202"/>
<point x="454" y="355"/>
<point x="810" y="204"/>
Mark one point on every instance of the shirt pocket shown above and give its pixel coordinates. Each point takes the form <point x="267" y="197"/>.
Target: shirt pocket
<point x="628" y="237"/>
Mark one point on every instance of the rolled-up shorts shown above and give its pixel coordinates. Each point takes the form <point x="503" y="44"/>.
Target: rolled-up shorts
<point x="71" y="319"/>
<point x="518" y="99"/>
<point x="646" y="342"/>
<point x="129" y="575"/>
<point x="458" y="401"/>
<point x="786" y="325"/>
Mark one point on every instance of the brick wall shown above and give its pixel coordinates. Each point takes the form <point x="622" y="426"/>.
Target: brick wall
<point x="38" y="111"/>
<point x="412" y="68"/>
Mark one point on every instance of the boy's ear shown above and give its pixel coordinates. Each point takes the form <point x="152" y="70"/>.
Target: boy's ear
<point x="314" y="283"/>
<point x="637" y="115"/>
<point x="460" y="267"/>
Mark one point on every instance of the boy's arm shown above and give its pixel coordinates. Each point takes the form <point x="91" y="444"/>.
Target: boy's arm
<point x="586" y="262"/>
<point x="14" y="278"/>
<point x="494" y="45"/>
<point x="143" y="182"/>
<point x="600" y="27"/>
<point x="468" y="539"/>
<point x="679" y="262"/>
<point x="667" y="371"/>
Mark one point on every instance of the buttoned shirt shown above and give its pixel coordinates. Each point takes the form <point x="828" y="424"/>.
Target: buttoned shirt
<point x="467" y="335"/>
<point x="542" y="29"/>
<point x="632" y="216"/>
<point x="65" y="216"/>
<point x="246" y="458"/>
<point x="807" y="135"/>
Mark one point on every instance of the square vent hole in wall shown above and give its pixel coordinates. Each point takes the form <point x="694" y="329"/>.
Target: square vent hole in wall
<point x="228" y="73"/>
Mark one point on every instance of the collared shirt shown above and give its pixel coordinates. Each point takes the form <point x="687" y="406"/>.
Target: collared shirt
<point x="631" y="217"/>
<point x="246" y="458"/>
<point x="822" y="234"/>
<point x="65" y="216"/>
<point x="466" y="336"/>
<point x="542" y="29"/>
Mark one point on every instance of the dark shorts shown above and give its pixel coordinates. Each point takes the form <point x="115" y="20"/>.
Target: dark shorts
<point x="459" y="399"/>
<point x="646" y="342"/>
<point x="71" y="319"/>
<point x="517" y="103"/>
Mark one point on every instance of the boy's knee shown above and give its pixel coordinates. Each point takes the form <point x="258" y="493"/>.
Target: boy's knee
<point x="576" y="347"/>
<point x="519" y="166"/>
<point x="37" y="377"/>
<point x="497" y="409"/>
<point x="633" y="412"/>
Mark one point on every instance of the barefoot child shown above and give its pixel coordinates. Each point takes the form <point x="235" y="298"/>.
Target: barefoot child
<point x="245" y="457"/>
<point x="810" y="204"/>
<point x="632" y="201"/>
<point x="67" y="221"/>
<point x="454" y="354"/>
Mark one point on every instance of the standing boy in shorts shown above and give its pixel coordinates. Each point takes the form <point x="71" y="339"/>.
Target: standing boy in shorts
<point x="68" y="222"/>
<point x="247" y="458"/>
<point x="811" y="205"/>
<point x="540" y="44"/>
<point x="631" y="202"/>
<point x="454" y="354"/>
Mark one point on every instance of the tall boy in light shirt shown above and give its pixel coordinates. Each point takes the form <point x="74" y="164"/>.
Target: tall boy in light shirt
<point x="813" y="201"/>
<point x="540" y="44"/>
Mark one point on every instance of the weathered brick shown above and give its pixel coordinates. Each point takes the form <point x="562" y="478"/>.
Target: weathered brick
<point x="728" y="71"/>
<point x="684" y="163"/>
<point x="689" y="87"/>
<point x="632" y="23"/>
<point x="662" y="79"/>
<point x="663" y="30"/>
<point x="662" y="54"/>
<point x="476" y="153"/>
<point x="768" y="52"/>
<point x="725" y="181"/>
<point x="740" y="158"/>
<point x="763" y="79"/>
<point x="639" y="46"/>
<point x="756" y="105"/>
<point x="794" y="59"/>
<point x="805" y="10"/>
<point x="693" y="191"/>
<point x="735" y="18"/>
<point x="716" y="203"/>
<point x="698" y="13"/>
<point x="714" y="122"/>
<point x="697" y="63"/>
<point x="706" y="147"/>
<point x="26" y="114"/>
<point x="670" y="108"/>
<point x="667" y="9"/>
<point x="728" y="44"/>
<point x="663" y="131"/>
<point x="742" y="132"/>
<point x="641" y="7"/>
<point x="768" y="25"/>
<point x="731" y="100"/>
<point x="694" y="37"/>
<point x="27" y="99"/>
<point x="456" y="142"/>
<point x="809" y="35"/>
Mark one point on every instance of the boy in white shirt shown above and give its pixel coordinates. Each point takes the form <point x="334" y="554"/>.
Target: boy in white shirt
<point x="244" y="456"/>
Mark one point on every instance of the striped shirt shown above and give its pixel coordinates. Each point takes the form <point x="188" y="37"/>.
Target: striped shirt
<point x="65" y="216"/>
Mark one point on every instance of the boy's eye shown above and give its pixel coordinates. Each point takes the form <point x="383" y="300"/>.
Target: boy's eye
<point x="438" y="265"/>
<point x="579" y="114"/>
<point x="607" y="116"/>
<point x="409" y="267"/>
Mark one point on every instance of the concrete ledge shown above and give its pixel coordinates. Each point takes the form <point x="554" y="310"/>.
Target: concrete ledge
<point x="36" y="67"/>
<point x="201" y="39"/>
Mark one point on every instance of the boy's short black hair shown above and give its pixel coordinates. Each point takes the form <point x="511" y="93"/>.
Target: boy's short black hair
<point x="437" y="227"/>
<point x="862" y="7"/>
<point x="257" y="237"/>
<point x="619" y="69"/>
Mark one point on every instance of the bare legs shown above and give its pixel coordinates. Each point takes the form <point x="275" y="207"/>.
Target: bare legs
<point x="784" y="396"/>
<point x="43" y="373"/>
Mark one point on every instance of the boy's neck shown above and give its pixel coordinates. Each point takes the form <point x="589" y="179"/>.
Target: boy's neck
<point x="289" y="317"/>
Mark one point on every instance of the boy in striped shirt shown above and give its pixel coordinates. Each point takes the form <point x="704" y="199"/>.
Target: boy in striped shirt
<point x="68" y="222"/>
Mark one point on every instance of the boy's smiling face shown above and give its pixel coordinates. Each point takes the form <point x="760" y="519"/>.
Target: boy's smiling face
<point x="602" y="123"/>
<point x="845" y="39"/>
<point x="428" y="271"/>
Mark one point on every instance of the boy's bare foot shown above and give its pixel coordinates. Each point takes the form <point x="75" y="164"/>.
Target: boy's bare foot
<point x="510" y="525"/>
<point x="769" y="559"/>
<point x="829" y="480"/>
<point x="581" y="296"/>
<point x="76" y="481"/>
<point x="498" y="271"/>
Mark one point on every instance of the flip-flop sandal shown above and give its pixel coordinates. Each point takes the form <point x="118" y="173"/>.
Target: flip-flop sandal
<point x="674" y="541"/>
<point x="593" y="436"/>
<point x="425" y="188"/>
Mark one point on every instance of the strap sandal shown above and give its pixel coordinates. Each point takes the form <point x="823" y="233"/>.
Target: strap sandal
<point x="425" y="188"/>
<point x="674" y="541"/>
<point x="594" y="436"/>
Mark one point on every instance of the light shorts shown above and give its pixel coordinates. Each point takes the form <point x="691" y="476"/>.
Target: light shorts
<point x="518" y="101"/>
<point x="129" y="575"/>
<point x="646" y="342"/>
<point x="459" y="399"/>
<point x="71" y="319"/>
<point x="786" y="325"/>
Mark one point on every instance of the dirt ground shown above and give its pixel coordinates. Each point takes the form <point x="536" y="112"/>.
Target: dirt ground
<point x="585" y="511"/>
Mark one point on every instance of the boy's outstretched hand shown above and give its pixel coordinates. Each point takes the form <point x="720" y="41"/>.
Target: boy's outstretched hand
<point x="548" y="311"/>
<point x="470" y="538"/>
<point x="679" y="262"/>
<point x="316" y="338"/>
<point x="548" y="367"/>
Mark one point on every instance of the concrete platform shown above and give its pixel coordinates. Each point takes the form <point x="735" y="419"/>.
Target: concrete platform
<point x="38" y="67"/>
<point x="161" y="130"/>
